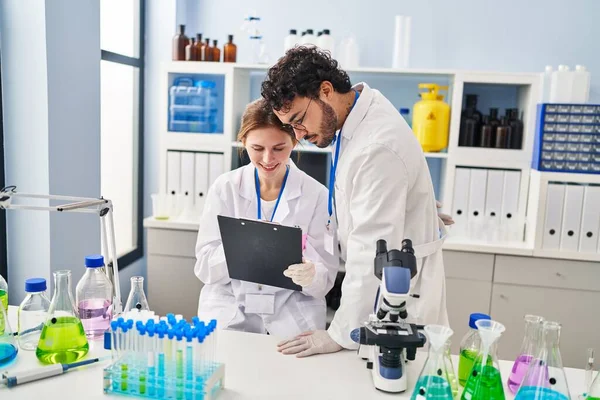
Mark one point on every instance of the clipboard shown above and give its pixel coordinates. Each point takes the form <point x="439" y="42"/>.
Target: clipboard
<point x="259" y="251"/>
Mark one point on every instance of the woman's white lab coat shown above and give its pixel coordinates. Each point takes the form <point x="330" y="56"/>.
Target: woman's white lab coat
<point x="383" y="190"/>
<point x="304" y="204"/>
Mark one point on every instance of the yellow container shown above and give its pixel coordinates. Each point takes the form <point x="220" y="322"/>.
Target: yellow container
<point x="431" y="118"/>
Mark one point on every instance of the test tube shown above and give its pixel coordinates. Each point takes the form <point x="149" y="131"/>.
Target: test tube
<point x="142" y="354"/>
<point x="124" y="358"/>
<point x="189" y="363"/>
<point x="150" y="360"/>
<point x="161" y="361"/>
<point x="179" y="364"/>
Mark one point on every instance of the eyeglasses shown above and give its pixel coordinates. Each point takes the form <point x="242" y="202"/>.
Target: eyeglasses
<point x="297" y="126"/>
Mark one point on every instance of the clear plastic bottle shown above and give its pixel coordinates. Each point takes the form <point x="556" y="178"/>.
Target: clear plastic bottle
<point x="32" y="313"/>
<point x="290" y="40"/>
<point x="94" y="298"/>
<point x="326" y="42"/>
<point x="3" y="293"/>
<point x="469" y="348"/>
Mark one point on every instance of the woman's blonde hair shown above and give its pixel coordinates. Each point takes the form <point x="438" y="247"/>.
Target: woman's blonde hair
<point x="259" y="114"/>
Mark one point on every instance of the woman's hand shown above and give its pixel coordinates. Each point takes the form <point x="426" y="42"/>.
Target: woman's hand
<point x="447" y="219"/>
<point x="301" y="274"/>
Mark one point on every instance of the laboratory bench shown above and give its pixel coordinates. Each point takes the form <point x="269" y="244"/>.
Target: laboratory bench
<point x="506" y="286"/>
<point x="253" y="370"/>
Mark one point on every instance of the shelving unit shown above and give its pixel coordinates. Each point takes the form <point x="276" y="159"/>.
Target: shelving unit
<point x="522" y="90"/>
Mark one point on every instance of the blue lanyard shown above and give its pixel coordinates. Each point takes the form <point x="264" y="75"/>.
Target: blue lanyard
<point x="334" y="163"/>
<point x="257" y="185"/>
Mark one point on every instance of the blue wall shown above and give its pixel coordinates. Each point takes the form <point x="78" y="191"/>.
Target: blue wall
<point x="512" y="35"/>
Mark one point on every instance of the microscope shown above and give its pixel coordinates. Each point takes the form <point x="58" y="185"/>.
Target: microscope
<point x="386" y="341"/>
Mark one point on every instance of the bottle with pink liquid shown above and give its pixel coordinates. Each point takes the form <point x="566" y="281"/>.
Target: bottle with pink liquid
<point x="533" y="330"/>
<point x="94" y="298"/>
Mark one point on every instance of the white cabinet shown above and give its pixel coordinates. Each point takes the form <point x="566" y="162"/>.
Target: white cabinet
<point x="172" y="285"/>
<point x="564" y="291"/>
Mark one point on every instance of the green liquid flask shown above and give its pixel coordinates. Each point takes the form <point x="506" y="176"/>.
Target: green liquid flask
<point x="63" y="339"/>
<point x="433" y="382"/>
<point x="485" y="382"/>
<point x="3" y="295"/>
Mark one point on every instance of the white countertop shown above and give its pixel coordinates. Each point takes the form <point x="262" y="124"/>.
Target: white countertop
<point x="253" y="370"/>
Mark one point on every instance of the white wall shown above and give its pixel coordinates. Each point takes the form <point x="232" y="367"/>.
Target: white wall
<point x="51" y="99"/>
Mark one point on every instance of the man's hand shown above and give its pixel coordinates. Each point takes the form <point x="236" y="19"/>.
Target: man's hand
<point x="309" y="343"/>
<point x="447" y="219"/>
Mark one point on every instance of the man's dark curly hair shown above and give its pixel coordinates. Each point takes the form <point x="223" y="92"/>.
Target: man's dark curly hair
<point x="300" y="73"/>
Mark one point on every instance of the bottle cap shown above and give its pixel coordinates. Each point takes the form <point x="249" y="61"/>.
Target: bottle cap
<point x="94" y="261"/>
<point x="404" y="111"/>
<point x="230" y="37"/>
<point x="293" y="32"/>
<point x="35" y="285"/>
<point x="326" y="32"/>
<point x="476" y="317"/>
<point x="310" y="32"/>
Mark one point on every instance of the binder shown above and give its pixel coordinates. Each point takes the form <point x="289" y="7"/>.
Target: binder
<point x="460" y="202"/>
<point x="173" y="173"/>
<point x="553" y="216"/>
<point x="200" y="180"/>
<point x="571" y="221"/>
<point x="509" y="219"/>
<point x="477" y="189"/>
<point x="215" y="168"/>
<point x="493" y="198"/>
<point x="187" y="174"/>
<point x="590" y="220"/>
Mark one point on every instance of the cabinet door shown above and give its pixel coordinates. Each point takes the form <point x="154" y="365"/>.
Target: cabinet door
<point x="464" y="297"/>
<point x="575" y="310"/>
<point x="172" y="285"/>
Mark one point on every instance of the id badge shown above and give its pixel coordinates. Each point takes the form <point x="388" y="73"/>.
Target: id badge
<point x="260" y="303"/>
<point x="328" y="238"/>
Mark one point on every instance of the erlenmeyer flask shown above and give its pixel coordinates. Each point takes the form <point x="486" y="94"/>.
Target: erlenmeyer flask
<point x="594" y="390"/>
<point x="8" y="344"/>
<point x="533" y="330"/>
<point x="485" y="382"/>
<point x="63" y="339"/>
<point x="433" y="382"/>
<point x="450" y="369"/>
<point x="545" y="378"/>
<point x="137" y="298"/>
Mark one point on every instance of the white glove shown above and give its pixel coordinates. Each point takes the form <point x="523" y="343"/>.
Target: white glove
<point x="301" y="274"/>
<point x="447" y="219"/>
<point x="309" y="343"/>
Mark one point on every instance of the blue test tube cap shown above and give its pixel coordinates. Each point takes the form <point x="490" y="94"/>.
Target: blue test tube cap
<point x="171" y="318"/>
<point x="114" y="325"/>
<point x="142" y="330"/>
<point x="179" y="335"/>
<point x="170" y="333"/>
<point x="201" y="337"/>
<point x="151" y="330"/>
<point x="120" y="321"/>
<point x="213" y="322"/>
<point x="195" y="321"/>
<point x="125" y="328"/>
<point x="189" y="336"/>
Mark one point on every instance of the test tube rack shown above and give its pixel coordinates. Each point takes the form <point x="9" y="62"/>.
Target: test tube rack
<point x="164" y="361"/>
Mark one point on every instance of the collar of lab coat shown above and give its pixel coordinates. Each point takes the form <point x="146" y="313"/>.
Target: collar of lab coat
<point x="293" y="189"/>
<point x="359" y="111"/>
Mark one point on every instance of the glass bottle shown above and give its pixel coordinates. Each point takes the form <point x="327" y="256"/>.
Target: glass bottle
<point x="470" y="121"/>
<point x="494" y="122"/>
<point x="94" y="298"/>
<point x="137" y="298"/>
<point x="433" y="381"/>
<point x="216" y="51"/>
<point x="487" y="133"/>
<point x="198" y="46"/>
<point x="32" y="313"/>
<point x="179" y="43"/>
<point x="190" y="51"/>
<point x="469" y="348"/>
<point x="63" y="339"/>
<point x="533" y="330"/>
<point x="207" y="53"/>
<point x="3" y="294"/>
<point x="502" y="134"/>
<point x="545" y="377"/>
<point x="8" y="345"/>
<point x="485" y="381"/>
<point x="230" y="51"/>
<point x="516" y="126"/>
